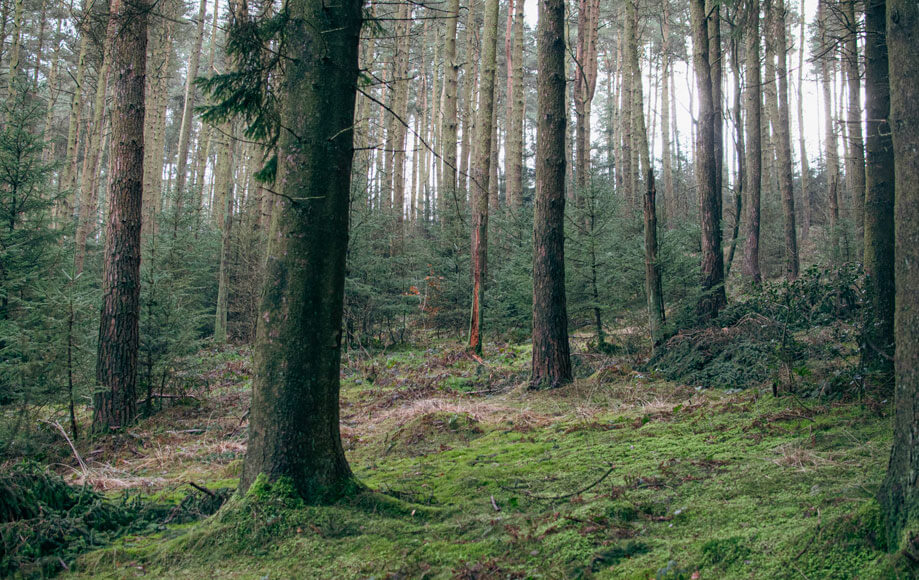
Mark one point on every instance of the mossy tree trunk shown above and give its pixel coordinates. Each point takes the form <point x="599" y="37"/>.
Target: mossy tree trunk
<point x="551" y="362"/>
<point x="899" y="494"/>
<point x="114" y="402"/>
<point x="294" y="420"/>
<point x="879" y="192"/>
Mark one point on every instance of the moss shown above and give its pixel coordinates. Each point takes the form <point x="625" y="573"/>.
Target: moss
<point x="732" y="485"/>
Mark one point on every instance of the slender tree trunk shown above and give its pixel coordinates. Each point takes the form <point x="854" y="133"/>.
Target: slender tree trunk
<point x="666" y="155"/>
<point x="224" y="202"/>
<point x="294" y="423"/>
<point x="899" y="495"/>
<point x="855" y="160"/>
<point x="832" y="149"/>
<point x="92" y="157"/>
<point x="783" y="142"/>
<point x="880" y="176"/>
<point x="551" y="362"/>
<point x="69" y="181"/>
<point x="188" y="118"/>
<point x="713" y="294"/>
<point x="206" y="134"/>
<point x="448" y="194"/>
<point x="397" y="141"/>
<point x="739" y="140"/>
<point x="481" y="172"/>
<point x="114" y="404"/>
<point x="160" y="44"/>
<point x="805" y="168"/>
<point x="514" y="159"/>
<point x="585" y="81"/>
<point x="715" y="60"/>
<point x="469" y="82"/>
<point x="753" y="145"/>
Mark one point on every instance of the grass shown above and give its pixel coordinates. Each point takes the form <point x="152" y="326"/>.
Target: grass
<point x="472" y="476"/>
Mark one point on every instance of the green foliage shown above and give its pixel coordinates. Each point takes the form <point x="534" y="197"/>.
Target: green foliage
<point x="178" y="293"/>
<point x="45" y="523"/>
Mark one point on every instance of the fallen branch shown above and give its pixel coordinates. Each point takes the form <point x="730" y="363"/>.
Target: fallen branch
<point x="494" y="504"/>
<point x="202" y="489"/>
<point x="572" y="494"/>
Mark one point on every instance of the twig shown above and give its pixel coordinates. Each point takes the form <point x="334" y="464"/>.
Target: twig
<point x="76" y="454"/>
<point x="494" y="504"/>
<point x="572" y="494"/>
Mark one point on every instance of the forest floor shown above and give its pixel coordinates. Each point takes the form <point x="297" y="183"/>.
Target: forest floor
<point x="618" y="475"/>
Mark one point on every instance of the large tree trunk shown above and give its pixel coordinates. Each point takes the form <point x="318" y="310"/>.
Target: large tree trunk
<point x="783" y="142"/>
<point x="713" y="295"/>
<point x="754" y="143"/>
<point x="551" y="362"/>
<point x="294" y="422"/>
<point x="879" y="190"/>
<point x="899" y="494"/>
<point x="114" y="403"/>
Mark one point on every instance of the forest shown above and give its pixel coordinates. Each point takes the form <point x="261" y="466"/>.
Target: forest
<point x="466" y="289"/>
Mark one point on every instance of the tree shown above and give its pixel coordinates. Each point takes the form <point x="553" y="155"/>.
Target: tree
<point x="713" y="296"/>
<point x="551" y="362"/>
<point x="449" y="122"/>
<point x="855" y="160"/>
<point x="899" y="495"/>
<point x="114" y="404"/>
<point x="783" y="142"/>
<point x="188" y="106"/>
<point x="879" y="191"/>
<point x="832" y="149"/>
<point x="294" y="424"/>
<point x="514" y="160"/>
<point x="481" y="172"/>
<point x="585" y="82"/>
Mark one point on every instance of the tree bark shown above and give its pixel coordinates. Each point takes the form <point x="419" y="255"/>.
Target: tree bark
<point x="114" y="404"/>
<point x="713" y="295"/>
<point x="805" y="168"/>
<point x="899" y="495"/>
<point x="666" y="153"/>
<point x="783" y="142"/>
<point x="514" y="159"/>
<point x="754" y="143"/>
<point x="739" y="139"/>
<point x="188" y="117"/>
<point x="551" y="362"/>
<point x="832" y="148"/>
<point x="481" y="172"/>
<point x="855" y="160"/>
<point x="294" y="421"/>
<point x="449" y="123"/>
<point x="879" y="190"/>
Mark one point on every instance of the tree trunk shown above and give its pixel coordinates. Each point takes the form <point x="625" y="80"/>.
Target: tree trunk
<point x="114" y="404"/>
<point x="160" y="44"/>
<point x="92" y="157"/>
<point x="855" y="160"/>
<point x="397" y="139"/>
<point x="188" y="118"/>
<point x="470" y="78"/>
<point x="448" y="193"/>
<point x="585" y="82"/>
<point x="899" y="495"/>
<point x="879" y="190"/>
<point x="223" y="200"/>
<point x="294" y="422"/>
<point x="551" y="362"/>
<point x="783" y="142"/>
<point x="666" y="154"/>
<point x="805" y="168"/>
<point x="754" y="143"/>
<point x="514" y="160"/>
<point x="715" y="60"/>
<point x="832" y="149"/>
<point x="713" y="296"/>
<point x="739" y="140"/>
<point x="481" y="172"/>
